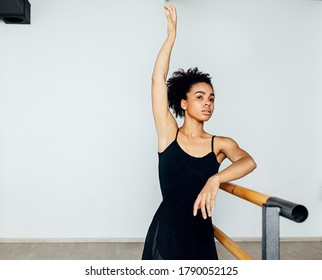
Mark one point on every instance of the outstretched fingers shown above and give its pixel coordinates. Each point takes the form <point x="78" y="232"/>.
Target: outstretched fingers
<point x="170" y="11"/>
<point x="203" y="202"/>
<point x="206" y="203"/>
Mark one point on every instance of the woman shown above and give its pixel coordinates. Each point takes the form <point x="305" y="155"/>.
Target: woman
<point x="189" y="159"/>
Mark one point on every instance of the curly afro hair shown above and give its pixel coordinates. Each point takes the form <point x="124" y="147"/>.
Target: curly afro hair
<point x="180" y="83"/>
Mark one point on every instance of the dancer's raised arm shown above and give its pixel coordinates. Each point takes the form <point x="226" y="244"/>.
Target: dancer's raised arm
<point x="165" y="123"/>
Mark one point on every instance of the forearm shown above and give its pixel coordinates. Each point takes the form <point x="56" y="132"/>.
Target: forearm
<point x="161" y="67"/>
<point x="236" y="170"/>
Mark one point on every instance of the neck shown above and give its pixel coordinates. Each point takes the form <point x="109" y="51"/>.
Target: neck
<point x="192" y="129"/>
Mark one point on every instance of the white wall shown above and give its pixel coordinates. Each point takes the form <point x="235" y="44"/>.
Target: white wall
<point x="78" y="151"/>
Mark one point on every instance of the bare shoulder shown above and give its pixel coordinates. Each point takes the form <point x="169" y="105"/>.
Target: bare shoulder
<point x="225" y="147"/>
<point x="225" y="142"/>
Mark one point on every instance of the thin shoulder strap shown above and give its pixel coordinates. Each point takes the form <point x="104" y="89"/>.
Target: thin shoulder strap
<point x="212" y="143"/>
<point x="177" y="134"/>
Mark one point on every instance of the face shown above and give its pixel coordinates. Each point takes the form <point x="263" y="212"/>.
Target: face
<point x="200" y="102"/>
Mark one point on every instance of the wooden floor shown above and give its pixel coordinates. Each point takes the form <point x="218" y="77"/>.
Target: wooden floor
<point x="309" y="250"/>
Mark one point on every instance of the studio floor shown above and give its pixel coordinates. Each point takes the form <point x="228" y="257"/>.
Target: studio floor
<point x="306" y="250"/>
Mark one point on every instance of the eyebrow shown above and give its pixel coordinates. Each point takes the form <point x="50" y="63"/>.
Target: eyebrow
<point x="202" y="92"/>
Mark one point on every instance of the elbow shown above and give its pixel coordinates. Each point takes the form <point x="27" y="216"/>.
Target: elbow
<point x="249" y="164"/>
<point x="253" y="164"/>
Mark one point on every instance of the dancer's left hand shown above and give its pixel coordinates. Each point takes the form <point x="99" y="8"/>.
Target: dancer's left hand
<point x="206" y="199"/>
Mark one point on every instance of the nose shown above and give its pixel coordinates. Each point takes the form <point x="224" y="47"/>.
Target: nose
<point x="207" y="103"/>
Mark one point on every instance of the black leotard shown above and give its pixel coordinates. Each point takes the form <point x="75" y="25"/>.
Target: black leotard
<point x="174" y="233"/>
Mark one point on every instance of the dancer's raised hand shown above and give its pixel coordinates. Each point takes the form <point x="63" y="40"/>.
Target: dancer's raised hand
<point x="171" y="14"/>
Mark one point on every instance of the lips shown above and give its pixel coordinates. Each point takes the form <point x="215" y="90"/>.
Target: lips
<point x="206" y="112"/>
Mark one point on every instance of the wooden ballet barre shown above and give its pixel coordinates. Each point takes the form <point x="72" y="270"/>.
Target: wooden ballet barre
<point x="272" y="209"/>
<point x="244" y="193"/>
<point x="231" y="246"/>
<point x="290" y="210"/>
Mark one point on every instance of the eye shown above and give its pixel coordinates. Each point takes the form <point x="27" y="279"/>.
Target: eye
<point x="200" y="97"/>
<point x="212" y="100"/>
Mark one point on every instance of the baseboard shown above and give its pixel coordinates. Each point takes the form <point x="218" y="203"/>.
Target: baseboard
<point x="72" y="240"/>
<point x="141" y="240"/>
<point x="282" y="239"/>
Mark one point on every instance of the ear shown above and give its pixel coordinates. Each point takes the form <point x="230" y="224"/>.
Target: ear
<point x="183" y="104"/>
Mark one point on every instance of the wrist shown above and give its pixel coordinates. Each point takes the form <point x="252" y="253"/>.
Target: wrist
<point x="172" y="34"/>
<point x="215" y="179"/>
